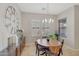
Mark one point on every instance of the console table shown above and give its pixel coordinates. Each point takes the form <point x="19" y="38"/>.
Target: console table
<point x="21" y="46"/>
<point x="14" y="50"/>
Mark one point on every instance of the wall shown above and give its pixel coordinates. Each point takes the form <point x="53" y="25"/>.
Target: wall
<point x="76" y="27"/>
<point x="3" y="30"/>
<point x="72" y="15"/>
<point x="69" y="14"/>
<point x="26" y="23"/>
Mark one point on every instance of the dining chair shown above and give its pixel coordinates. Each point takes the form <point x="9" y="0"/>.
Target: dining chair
<point x="40" y="48"/>
<point x="62" y="42"/>
<point x="55" y="50"/>
<point x="45" y="37"/>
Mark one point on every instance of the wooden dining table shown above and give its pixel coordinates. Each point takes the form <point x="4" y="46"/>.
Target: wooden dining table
<point x="45" y="43"/>
<point x="53" y="45"/>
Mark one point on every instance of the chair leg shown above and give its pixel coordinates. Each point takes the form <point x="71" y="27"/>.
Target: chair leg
<point x="61" y="52"/>
<point x="46" y="54"/>
<point x="38" y="53"/>
<point x="42" y="53"/>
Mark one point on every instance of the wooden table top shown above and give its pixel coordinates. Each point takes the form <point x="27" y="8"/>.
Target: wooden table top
<point x="44" y="42"/>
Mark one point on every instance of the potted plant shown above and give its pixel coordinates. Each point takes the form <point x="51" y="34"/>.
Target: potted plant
<point x="53" y="37"/>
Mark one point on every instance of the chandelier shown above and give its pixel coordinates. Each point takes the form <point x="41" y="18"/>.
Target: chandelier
<point x="47" y="20"/>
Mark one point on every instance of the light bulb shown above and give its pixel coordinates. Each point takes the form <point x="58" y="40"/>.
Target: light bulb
<point x="50" y="20"/>
<point x="64" y="24"/>
<point x="45" y="20"/>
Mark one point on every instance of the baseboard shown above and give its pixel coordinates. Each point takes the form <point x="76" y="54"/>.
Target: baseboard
<point x="3" y="49"/>
<point x="72" y="48"/>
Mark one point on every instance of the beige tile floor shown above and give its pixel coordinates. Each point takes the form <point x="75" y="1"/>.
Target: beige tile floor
<point x="29" y="50"/>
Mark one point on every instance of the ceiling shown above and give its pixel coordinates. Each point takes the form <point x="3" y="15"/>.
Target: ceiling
<point x="45" y="8"/>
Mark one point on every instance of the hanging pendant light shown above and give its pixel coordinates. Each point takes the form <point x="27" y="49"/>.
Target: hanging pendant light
<point x="52" y="20"/>
<point x="45" y="20"/>
<point x="49" y="20"/>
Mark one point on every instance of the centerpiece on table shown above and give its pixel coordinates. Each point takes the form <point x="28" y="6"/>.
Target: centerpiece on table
<point x="53" y="37"/>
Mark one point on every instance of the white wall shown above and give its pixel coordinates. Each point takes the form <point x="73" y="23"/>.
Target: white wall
<point x="3" y="30"/>
<point x="76" y="27"/>
<point x="72" y="15"/>
<point x="26" y="23"/>
<point x="69" y="14"/>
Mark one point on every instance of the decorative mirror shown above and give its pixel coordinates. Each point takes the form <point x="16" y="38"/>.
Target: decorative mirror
<point x="11" y="21"/>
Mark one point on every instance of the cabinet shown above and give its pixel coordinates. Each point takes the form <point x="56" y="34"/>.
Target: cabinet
<point x="62" y="27"/>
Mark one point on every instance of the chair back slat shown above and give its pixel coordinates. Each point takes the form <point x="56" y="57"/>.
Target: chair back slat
<point x="55" y="50"/>
<point x="62" y="42"/>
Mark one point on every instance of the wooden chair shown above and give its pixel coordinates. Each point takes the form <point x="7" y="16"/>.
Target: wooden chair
<point x="55" y="50"/>
<point x="40" y="48"/>
<point x="62" y="42"/>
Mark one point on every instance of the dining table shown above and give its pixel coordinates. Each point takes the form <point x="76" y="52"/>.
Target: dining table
<point x="53" y="45"/>
<point x="45" y="43"/>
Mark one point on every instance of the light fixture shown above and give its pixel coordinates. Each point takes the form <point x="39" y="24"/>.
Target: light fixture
<point x="43" y="21"/>
<point x="47" y="20"/>
<point x="65" y="25"/>
<point x="50" y="20"/>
